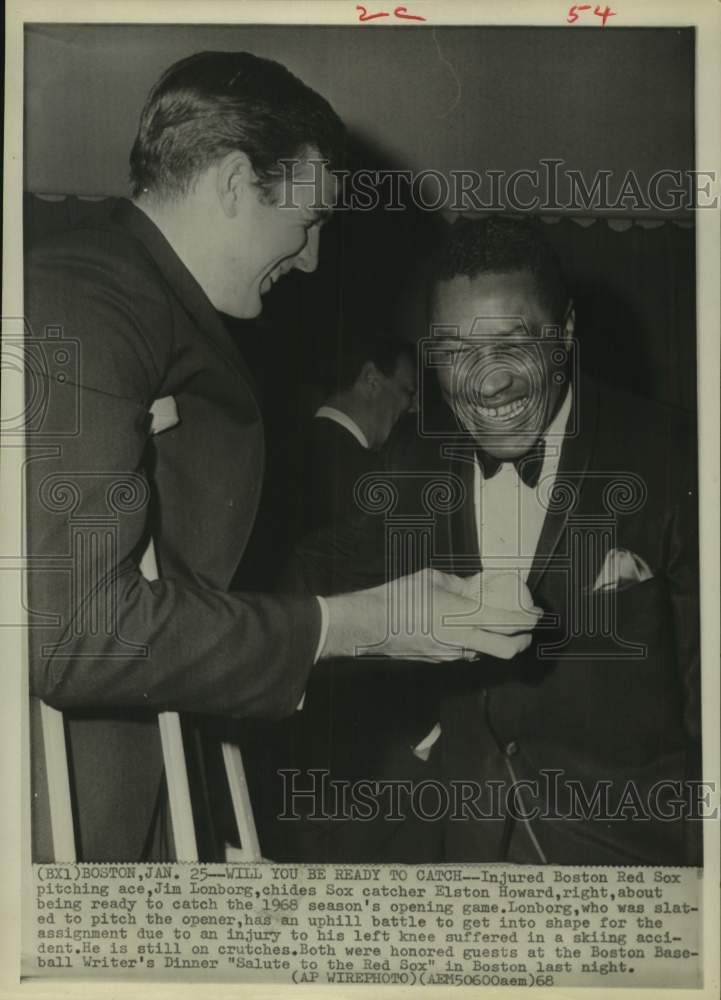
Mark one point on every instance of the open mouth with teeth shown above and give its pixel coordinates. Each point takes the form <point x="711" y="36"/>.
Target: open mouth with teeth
<point x="270" y="279"/>
<point x="503" y="414"/>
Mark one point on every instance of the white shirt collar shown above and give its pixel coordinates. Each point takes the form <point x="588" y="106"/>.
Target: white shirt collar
<point x="330" y="413"/>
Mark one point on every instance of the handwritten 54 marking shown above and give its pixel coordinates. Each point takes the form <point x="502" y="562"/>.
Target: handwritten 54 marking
<point x="583" y="8"/>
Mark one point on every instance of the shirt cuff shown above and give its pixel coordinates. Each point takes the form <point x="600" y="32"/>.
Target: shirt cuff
<point x="321" y="641"/>
<point x="324" y="619"/>
<point x="423" y="750"/>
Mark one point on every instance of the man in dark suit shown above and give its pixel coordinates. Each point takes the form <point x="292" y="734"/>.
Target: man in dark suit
<point x="375" y="386"/>
<point x="125" y="340"/>
<point x="581" y="499"/>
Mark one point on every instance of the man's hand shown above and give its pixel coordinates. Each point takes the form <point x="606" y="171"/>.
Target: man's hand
<point x="503" y="601"/>
<point x="428" y="616"/>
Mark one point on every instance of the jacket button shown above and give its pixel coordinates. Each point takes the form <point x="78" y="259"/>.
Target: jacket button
<point x="511" y="749"/>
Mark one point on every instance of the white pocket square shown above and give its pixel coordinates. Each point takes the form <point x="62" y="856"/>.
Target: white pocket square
<point x="621" y="569"/>
<point x="163" y="414"/>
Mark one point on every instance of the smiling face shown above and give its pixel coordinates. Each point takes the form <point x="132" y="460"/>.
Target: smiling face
<point x="504" y="373"/>
<point x="278" y="232"/>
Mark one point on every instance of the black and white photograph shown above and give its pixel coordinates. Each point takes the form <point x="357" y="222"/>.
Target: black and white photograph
<point x="369" y="528"/>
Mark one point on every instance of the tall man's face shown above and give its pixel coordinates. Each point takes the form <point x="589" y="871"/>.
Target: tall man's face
<point x="277" y="232"/>
<point x="502" y="366"/>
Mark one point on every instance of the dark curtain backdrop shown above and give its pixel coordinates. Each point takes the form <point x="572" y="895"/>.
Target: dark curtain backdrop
<point x="633" y="284"/>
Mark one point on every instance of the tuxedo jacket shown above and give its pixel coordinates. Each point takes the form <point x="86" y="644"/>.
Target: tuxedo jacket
<point x="604" y="705"/>
<point x="116" y="321"/>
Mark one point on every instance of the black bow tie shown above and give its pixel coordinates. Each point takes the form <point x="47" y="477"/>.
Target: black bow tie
<point x="527" y="466"/>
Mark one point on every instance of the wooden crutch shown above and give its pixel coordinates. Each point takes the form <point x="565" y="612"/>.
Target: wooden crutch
<point x="164" y="415"/>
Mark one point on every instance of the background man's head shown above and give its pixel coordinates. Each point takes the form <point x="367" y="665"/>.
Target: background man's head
<point x="500" y="298"/>
<point x="376" y="384"/>
<point x="212" y="137"/>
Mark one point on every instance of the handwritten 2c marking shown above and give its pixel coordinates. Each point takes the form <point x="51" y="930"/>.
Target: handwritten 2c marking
<point x="398" y="12"/>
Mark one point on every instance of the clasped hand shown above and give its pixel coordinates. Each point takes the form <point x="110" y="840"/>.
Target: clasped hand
<point x="434" y="616"/>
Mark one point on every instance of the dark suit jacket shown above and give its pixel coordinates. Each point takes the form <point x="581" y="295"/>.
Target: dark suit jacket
<point x="336" y="461"/>
<point x="609" y="690"/>
<point x="103" y="640"/>
<point x="347" y="702"/>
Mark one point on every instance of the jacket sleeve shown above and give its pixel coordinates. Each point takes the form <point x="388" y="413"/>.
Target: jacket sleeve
<point x="101" y="635"/>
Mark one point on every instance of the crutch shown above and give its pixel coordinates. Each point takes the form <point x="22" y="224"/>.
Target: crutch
<point x="164" y="415"/>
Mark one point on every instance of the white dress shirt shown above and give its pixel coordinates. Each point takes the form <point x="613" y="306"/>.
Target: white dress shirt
<point x="509" y="518"/>
<point x="510" y="514"/>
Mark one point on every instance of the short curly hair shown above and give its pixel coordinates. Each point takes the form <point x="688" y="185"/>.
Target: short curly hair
<point x="502" y="244"/>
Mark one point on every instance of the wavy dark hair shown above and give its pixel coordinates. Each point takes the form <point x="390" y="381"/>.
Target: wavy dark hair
<point x="213" y="103"/>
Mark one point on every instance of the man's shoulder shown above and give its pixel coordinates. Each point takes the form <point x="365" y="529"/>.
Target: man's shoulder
<point x="653" y="440"/>
<point x="323" y="429"/>
<point x="329" y="435"/>
<point x="104" y="289"/>
<point x="92" y="252"/>
<point x="636" y="420"/>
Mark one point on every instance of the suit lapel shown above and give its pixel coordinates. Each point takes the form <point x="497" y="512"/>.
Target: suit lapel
<point x="186" y="288"/>
<point x="463" y="532"/>
<point x="576" y="452"/>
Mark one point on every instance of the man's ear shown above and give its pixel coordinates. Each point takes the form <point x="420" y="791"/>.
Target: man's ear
<point x="569" y="322"/>
<point x="235" y="177"/>
<point x="369" y="378"/>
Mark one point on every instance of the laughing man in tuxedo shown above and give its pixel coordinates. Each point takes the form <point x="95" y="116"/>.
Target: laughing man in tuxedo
<point x="584" y="749"/>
